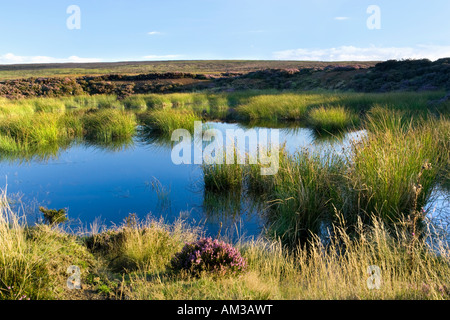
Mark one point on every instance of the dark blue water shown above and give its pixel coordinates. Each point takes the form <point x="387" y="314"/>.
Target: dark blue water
<point x="96" y="184"/>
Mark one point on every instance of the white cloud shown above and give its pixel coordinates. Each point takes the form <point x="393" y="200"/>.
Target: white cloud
<point x="11" y="58"/>
<point x="372" y="53"/>
<point x="152" y="33"/>
<point x="162" y="57"/>
<point x="341" y="18"/>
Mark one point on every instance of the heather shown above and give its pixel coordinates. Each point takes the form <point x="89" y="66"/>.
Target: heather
<point x="208" y="255"/>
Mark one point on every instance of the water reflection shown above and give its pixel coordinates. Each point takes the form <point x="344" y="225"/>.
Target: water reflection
<point x="109" y="180"/>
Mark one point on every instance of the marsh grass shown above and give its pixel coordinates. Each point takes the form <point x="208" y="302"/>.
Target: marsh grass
<point x="276" y="107"/>
<point x="137" y="254"/>
<point x="412" y="101"/>
<point x="336" y="270"/>
<point x="223" y="177"/>
<point x="165" y="121"/>
<point x="31" y="132"/>
<point x="190" y="101"/>
<point x="380" y="118"/>
<point x="390" y="174"/>
<point x="92" y="102"/>
<point x="157" y="101"/>
<point x="109" y="125"/>
<point x="331" y="119"/>
<point x="33" y="261"/>
<point x="47" y="105"/>
<point x="135" y="102"/>
<point x="301" y="195"/>
<point x="141" y="245"/>
<point x="395" y="170"/>
<point x="108" y="102"/>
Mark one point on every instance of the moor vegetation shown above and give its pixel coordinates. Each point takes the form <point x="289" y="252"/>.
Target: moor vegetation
<point x="408" y="75"/>
<point x="329" y="216"/>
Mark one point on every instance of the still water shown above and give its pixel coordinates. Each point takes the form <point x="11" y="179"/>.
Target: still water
<point x="97" y="184"/>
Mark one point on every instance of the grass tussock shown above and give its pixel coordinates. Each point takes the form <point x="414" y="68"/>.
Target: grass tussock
<point x="34" y="261"/>
<point x="165" y="121"/>
<point x="331" y="119"/>
<point x="145" y="245"/>
<point x="395" y="169"/>
<point x="31" y="132"/>
<point x="276" y="107"/>
<point x="300" y="195"/>
<point x="108" y="125"/>
<point x="223" y="177"/>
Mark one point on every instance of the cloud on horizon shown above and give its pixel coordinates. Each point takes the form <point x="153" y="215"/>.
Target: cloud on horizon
<point x="11" y="58"/>
<point x="372" y="53"/>
<point x="162" y="57"/>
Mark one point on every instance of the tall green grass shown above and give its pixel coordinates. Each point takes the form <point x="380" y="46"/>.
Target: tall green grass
<point x="301" y="195"/>
<point x="276" y="107"/>
<point x="108" y="125"/>
<point x="165" y="121"/>
<point x="418" y="102"/>
<point x="135" y="102"/>
<point x="223" y="177"/>
<point x="34" y="260"/>
<point x="395" y="170"/>
<point x="331" y="119"/>
<point x="31" y="131"/>
<point x="43" y="134"/>
<point x="140" y="245"/>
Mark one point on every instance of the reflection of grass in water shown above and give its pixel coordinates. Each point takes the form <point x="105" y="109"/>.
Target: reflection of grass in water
<point x="162" y="193"/>
<point x="41" y="154"/>
<point x="116" y="145"/>
<point x="218" y="206"/>
<point x="148" y="136"/>
<point x="328" y="137"/>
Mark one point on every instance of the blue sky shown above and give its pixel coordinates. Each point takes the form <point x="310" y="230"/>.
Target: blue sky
<point x="36" y="31"/>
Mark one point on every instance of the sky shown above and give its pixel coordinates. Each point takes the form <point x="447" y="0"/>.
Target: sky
<point x="48" y="31"/>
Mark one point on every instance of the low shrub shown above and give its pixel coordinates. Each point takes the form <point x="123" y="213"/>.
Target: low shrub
<point x="208" y="255"/>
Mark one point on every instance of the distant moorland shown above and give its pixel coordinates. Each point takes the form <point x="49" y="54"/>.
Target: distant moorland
<point x="126" y="78"/>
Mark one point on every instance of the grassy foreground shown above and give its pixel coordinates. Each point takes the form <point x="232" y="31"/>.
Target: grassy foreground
<point x="131" y="262"/>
